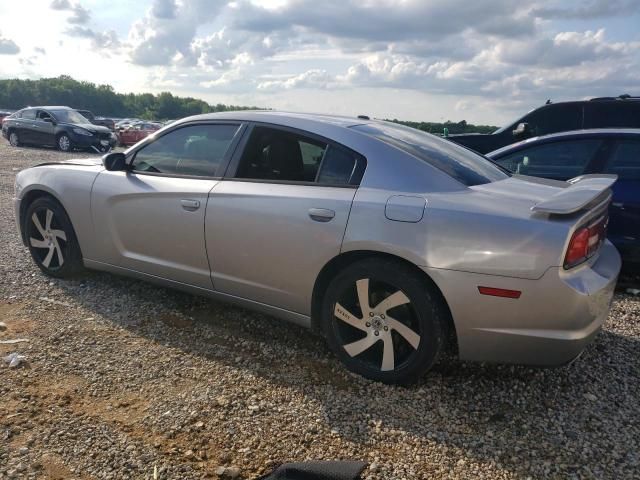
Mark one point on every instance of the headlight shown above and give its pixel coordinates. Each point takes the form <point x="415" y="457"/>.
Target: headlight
<point x="82" y="131"/>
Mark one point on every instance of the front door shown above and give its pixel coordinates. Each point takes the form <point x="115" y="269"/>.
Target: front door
<point x="281" y="217"/>
<point x="151" y="219"/>
<point x="44" y="130"/>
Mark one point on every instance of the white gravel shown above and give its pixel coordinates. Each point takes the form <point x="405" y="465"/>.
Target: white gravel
<point x="122" y="377"/>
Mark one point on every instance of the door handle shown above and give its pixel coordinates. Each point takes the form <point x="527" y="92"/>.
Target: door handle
<point x="321" y="214"/>
<point x="618" y="205"/>
<point x="190" y="205"/>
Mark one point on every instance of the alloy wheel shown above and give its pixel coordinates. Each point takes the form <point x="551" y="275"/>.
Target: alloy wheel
<point x="377" y="324"/>
<point x="49" y="250"/>
<point x="14" y="139"/>
<point x="64" y="143"/>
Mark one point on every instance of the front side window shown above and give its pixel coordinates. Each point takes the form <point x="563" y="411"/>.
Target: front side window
<point x="192" y="150"/>
<point x="625" y="161"/>
<point x="464" y="165"/>
<point x="42" y="115"/>
<point x="558" y="160"/>
<point x="277" y="155"/>
<point x="554" y="119"/>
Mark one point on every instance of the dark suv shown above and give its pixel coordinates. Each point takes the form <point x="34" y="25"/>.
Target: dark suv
<point x="61" y="127"/>
<point x="604" y="112"/>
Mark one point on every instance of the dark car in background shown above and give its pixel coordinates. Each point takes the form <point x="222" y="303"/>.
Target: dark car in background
<point x="105" y="122"/>
<point x="603" y="112"/>
<point x="567" y="155"/>
<point x="62" y="127"/>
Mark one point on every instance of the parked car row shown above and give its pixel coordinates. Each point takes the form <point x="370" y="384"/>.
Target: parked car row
<point x="393" y="243"/>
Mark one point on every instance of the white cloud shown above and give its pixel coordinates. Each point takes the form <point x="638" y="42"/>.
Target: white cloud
<point x="8" y="46"/>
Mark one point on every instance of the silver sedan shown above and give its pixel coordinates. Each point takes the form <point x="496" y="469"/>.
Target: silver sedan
<point x="393" y="243"/>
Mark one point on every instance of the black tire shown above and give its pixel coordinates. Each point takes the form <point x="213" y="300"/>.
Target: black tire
<point x="14" y="138"/>
<point x="63" y="142"/>
<point x="423" y="314"/>
<point x="52" y="240"/>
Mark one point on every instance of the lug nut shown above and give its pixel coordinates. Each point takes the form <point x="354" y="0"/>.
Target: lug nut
<point x="382" y="317"/>
<point x="371" y="314"/>
<point x="376" y="333"/>
<point x="368" y="324"/>
<point x="386" y="328"/>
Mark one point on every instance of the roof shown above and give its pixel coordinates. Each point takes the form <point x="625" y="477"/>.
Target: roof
<point x="593" y="132"/>
<point x="50" y="107"/>
<point x="281" y="118"/>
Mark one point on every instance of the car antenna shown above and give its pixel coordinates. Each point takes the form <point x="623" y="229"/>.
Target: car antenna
<point x="548" y="102"/>
<point x="364" y="117"/>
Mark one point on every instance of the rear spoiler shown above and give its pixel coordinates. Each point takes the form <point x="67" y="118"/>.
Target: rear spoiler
<point x="580" y="193"/>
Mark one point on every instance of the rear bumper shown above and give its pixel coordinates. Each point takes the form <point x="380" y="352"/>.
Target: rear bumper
<point x="552" y="322"/>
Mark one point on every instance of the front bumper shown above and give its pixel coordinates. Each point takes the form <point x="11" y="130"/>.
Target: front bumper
<point x="101" y="144"/>
<point x="16" y="209"/>
<point x="552" y="322"/>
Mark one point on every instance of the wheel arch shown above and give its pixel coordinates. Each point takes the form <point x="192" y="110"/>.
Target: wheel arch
<point x="336" y="264"/>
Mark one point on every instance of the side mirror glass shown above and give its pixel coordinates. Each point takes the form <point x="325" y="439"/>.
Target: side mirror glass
<point x="522" y="129"/>
<point x="114" y="162"/>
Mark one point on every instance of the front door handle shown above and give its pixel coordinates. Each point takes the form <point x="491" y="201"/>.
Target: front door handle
<point x="321" y="214"/>
<point x="190" y="205"/>
<point x="618" y="205"/>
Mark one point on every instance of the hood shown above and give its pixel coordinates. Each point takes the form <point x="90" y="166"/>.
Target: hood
<point x="82" y="162"/>
<point x="91" y="127"/>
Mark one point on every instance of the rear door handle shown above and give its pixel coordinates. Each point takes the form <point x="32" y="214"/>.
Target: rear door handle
<point x="618" y="205"/>
<point x="321" y="214"/>
<point x="190" y="205"/>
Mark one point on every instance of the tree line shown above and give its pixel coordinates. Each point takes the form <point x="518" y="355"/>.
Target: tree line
<point x="102" y="99"/>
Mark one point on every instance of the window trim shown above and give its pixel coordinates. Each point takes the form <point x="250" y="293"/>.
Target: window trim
<point x="131" y="153"/>
<point x="232" y="168"/>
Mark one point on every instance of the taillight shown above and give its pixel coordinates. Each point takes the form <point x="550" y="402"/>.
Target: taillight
<point x="585" y="242"/>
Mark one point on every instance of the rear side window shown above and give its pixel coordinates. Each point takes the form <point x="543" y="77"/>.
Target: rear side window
<point x="619" y="113"/>
<point x="278" y="155"/>
<point x="193" y="150"/>
<point x="625" y="161"/>
<point x="558" y="160"/>
<point x="28" y="114"/>
<point x="464" y="165"/>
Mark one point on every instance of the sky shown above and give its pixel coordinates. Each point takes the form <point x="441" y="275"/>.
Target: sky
<point x="485" y="61"/>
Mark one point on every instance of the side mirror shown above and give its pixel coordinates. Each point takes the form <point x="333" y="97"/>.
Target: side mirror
<point x="114" y="162"/>
<point x="522" y="129"/>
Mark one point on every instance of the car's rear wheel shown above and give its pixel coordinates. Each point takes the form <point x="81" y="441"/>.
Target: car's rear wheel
<point x="51" y="238"/>
<point x="14" y="139"/>
<point x="64" y="143"/>
<point x="384" y="321"/>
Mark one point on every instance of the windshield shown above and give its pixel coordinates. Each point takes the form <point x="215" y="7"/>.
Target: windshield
<point x="69" y="116"/>
<point x="464" y="165"/>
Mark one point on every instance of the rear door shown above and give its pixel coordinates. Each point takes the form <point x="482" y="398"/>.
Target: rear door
<point x="26" y="126"/>
<point x="609" y="114"/>
<point x="624" y="224"/>
<point x="280" y="215"/>
<point x="151" y="219"/>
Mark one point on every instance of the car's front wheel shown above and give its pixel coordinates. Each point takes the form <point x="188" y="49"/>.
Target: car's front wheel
<point x="14" y="139"/>
<point x="51" y="238"/>
<point x="64" y="143"/>
<point x="384" y="321"/>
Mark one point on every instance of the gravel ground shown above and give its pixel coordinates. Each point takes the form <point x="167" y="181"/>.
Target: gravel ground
<point x="122" y="377"/>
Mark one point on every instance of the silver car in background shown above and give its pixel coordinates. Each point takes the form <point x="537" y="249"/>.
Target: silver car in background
<point x="393" y="243"/>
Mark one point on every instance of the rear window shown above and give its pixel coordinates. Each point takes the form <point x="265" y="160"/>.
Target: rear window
<point x="466" y="166"/>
